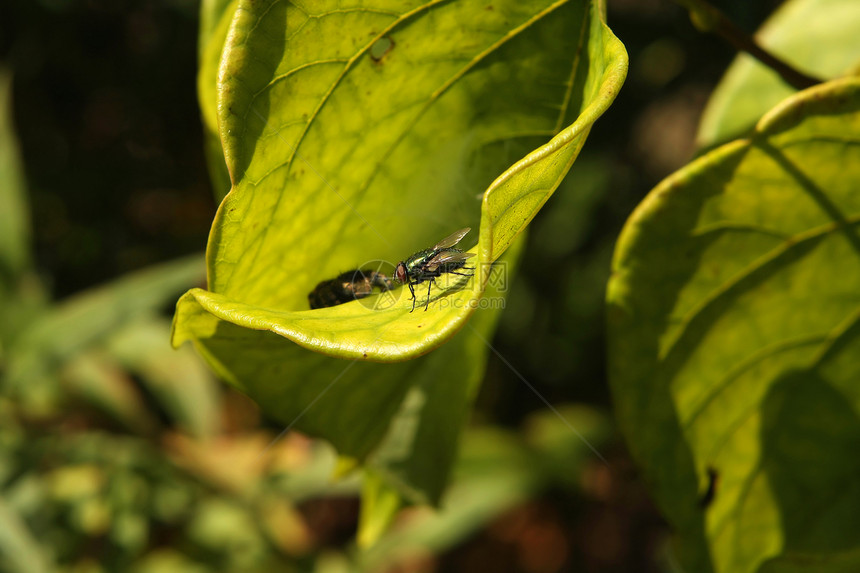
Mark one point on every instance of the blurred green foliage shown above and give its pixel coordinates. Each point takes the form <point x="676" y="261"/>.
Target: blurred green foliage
<point x="122" y="454"/>
<point x="117" y="454"/>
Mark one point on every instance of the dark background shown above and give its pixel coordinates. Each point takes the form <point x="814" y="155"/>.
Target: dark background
<point x="106" y="112"/>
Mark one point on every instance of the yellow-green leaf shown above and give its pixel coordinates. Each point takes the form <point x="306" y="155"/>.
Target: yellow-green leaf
<point x="818" y="37"/>
<point x="735" y="340"/>
<point x="215" y="19"/>
<point x="368" y="133"/>
<point x="21" y="294"/>
<point x="14" y="212"/>
<point x="379" y="505"/>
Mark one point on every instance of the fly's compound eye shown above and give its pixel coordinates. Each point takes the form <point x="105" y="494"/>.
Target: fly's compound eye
<point x="400" y="273"/>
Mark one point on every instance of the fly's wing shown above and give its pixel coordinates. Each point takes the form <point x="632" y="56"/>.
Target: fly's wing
<point x="451" y="239"/>
<point x="447" y="257"/>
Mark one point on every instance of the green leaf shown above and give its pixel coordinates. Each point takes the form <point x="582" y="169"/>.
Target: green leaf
<point x="379" y="505"/>
<point x="367" y="134"/>
<point x="496" y="471"/>
<point x="735" y="340"/>
<point x="21" y="294"/>
<point x="19" y="548"/>
<point x="88" y="318"/>
<point x="14" y="212"/>
<point x="815" y="36"/>
<point x="178" y="379"/>
<point x="215" y="18"/>
<point x="298" y="215"/>
<point x="847" y="562"/>
<point x="167" y="561"/>
<point x="420" y="444"/>
<point x="100" y="380"/>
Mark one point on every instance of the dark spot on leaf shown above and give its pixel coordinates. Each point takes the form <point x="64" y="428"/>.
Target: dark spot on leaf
<point x="708" y="497"/>
<point x="381" y="48"/>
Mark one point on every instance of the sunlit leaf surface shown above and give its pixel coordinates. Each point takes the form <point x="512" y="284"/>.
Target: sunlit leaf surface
<point x="363" y="134"/>
<point x="735" y="340"/>
<point x="215" y="19"/>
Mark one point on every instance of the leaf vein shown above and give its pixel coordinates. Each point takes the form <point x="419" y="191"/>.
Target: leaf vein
<point x="768" y="257"/>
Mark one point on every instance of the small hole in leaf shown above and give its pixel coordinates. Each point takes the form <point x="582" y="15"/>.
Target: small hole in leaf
<point x="381" y="47"/>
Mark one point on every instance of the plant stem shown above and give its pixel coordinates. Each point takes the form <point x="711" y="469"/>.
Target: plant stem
<point x="707" y="18"/>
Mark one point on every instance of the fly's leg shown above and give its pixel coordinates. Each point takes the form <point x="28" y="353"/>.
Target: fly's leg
<point x="464" y="274"/>
<point x="412" y="290"/>
<point x="470" y="272"/>
<point x="429" y="284"/>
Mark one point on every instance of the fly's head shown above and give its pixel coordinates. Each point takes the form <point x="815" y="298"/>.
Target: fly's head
<point x="401" y="275"/>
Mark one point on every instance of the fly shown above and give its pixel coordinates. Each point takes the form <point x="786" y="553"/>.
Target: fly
<point x="347" y="287"/>
<point x="429" y="264"/>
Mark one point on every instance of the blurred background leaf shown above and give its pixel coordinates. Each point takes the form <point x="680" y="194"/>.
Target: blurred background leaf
<point x="818" y="36"/>
<point x="110" y="135"/>
<point x="21" y="294"/>
<point x="60" y="333"/>
<point x="15" y="238"/>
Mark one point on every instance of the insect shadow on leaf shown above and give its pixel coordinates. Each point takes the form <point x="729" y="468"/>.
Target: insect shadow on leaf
<point x="347" y="287"/>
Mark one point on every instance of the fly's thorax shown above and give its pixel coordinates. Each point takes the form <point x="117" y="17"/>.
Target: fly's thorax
<point x="417" y="261"/>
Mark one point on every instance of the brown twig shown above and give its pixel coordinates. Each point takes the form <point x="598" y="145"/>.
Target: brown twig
<point x="707" y="18"/>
